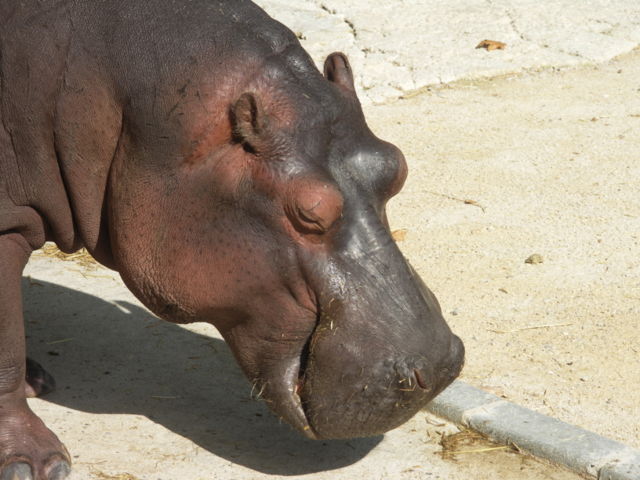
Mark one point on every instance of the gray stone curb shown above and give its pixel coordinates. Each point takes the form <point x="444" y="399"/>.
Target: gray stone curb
<point x="504" y="422"/>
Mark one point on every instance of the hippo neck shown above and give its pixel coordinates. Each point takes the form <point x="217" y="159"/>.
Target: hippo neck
<point x="62" y="126"/>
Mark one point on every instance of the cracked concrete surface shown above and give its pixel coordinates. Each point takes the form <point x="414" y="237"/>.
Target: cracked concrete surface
<point x="402" y="46"/>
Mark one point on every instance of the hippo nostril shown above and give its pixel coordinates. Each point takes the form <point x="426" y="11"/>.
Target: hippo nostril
<point x="421" y="382"/>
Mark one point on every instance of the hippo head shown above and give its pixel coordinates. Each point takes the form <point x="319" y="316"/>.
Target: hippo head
<point x="272" y="227"/>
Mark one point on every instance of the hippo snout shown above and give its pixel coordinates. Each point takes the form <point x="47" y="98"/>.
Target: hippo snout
<point x="350" y="394"/>
<point x="451" y="365"/>
<point x="456" y="356"/>
<point x="430" y="379"/>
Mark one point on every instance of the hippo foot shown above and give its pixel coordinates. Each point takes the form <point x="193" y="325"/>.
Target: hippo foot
<point x="23" y="471"/>
<point x="39" y="382"/>
<point x="29" y="450"/>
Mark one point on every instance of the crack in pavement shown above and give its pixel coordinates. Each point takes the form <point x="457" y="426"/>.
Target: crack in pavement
<point x="411" y="45"/>
<point x="334" y="12"/>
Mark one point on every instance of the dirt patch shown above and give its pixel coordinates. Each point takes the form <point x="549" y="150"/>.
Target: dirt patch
<point x="543" y="281"/>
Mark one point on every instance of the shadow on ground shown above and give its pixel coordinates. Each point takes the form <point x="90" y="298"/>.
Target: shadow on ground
<point x="117" y="358"/>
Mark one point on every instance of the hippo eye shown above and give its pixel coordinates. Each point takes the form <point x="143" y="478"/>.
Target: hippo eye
<point x="314" y="208"/>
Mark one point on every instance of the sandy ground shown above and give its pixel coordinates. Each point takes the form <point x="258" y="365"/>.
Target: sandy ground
<point x="543" y="163"/>
<point x="550" y="163"/>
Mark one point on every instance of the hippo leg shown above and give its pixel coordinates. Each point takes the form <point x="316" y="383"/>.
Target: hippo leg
<point x="39" y="382"/>
<point x="28" y="449"/>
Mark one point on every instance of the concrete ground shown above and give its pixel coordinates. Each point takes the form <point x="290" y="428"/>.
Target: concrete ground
<point x="398" y="47"/>
<point x="541" y="161"/>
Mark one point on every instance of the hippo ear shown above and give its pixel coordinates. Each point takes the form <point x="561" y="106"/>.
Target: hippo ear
<point x="249" y="122"/>
<point x="338" y="71"/>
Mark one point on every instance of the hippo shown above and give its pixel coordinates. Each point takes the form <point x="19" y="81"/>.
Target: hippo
<point x="194" y="147"/>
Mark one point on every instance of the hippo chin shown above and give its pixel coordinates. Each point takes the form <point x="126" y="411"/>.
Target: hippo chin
<point x="196" y="149"/>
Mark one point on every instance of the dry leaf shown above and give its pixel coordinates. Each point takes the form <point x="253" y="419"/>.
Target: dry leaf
<point x="534" y="259"/>
<point x="468" y="201"/>
<point x="491" y="45"/>
<point x="399" y="235"/>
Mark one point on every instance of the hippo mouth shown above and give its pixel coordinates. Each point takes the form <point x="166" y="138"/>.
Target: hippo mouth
<point x="361" y="412"/>
<point x="299" y="387"/>
<point x="281" y="385"/>
<point x="366" y="364"/>
<point x="286" y="394"/>
<point x="340" y="387"/>
<point x="415" y="383"/>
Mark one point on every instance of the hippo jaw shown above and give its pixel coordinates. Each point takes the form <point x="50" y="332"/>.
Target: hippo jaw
<point x="337" y="390"/>
<point x="281" y="392"/>
<point x="375" y="393"/>
<point x="376" y="348"/>
<point x="364" y="361"/>
<point x="379" y="352"/>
